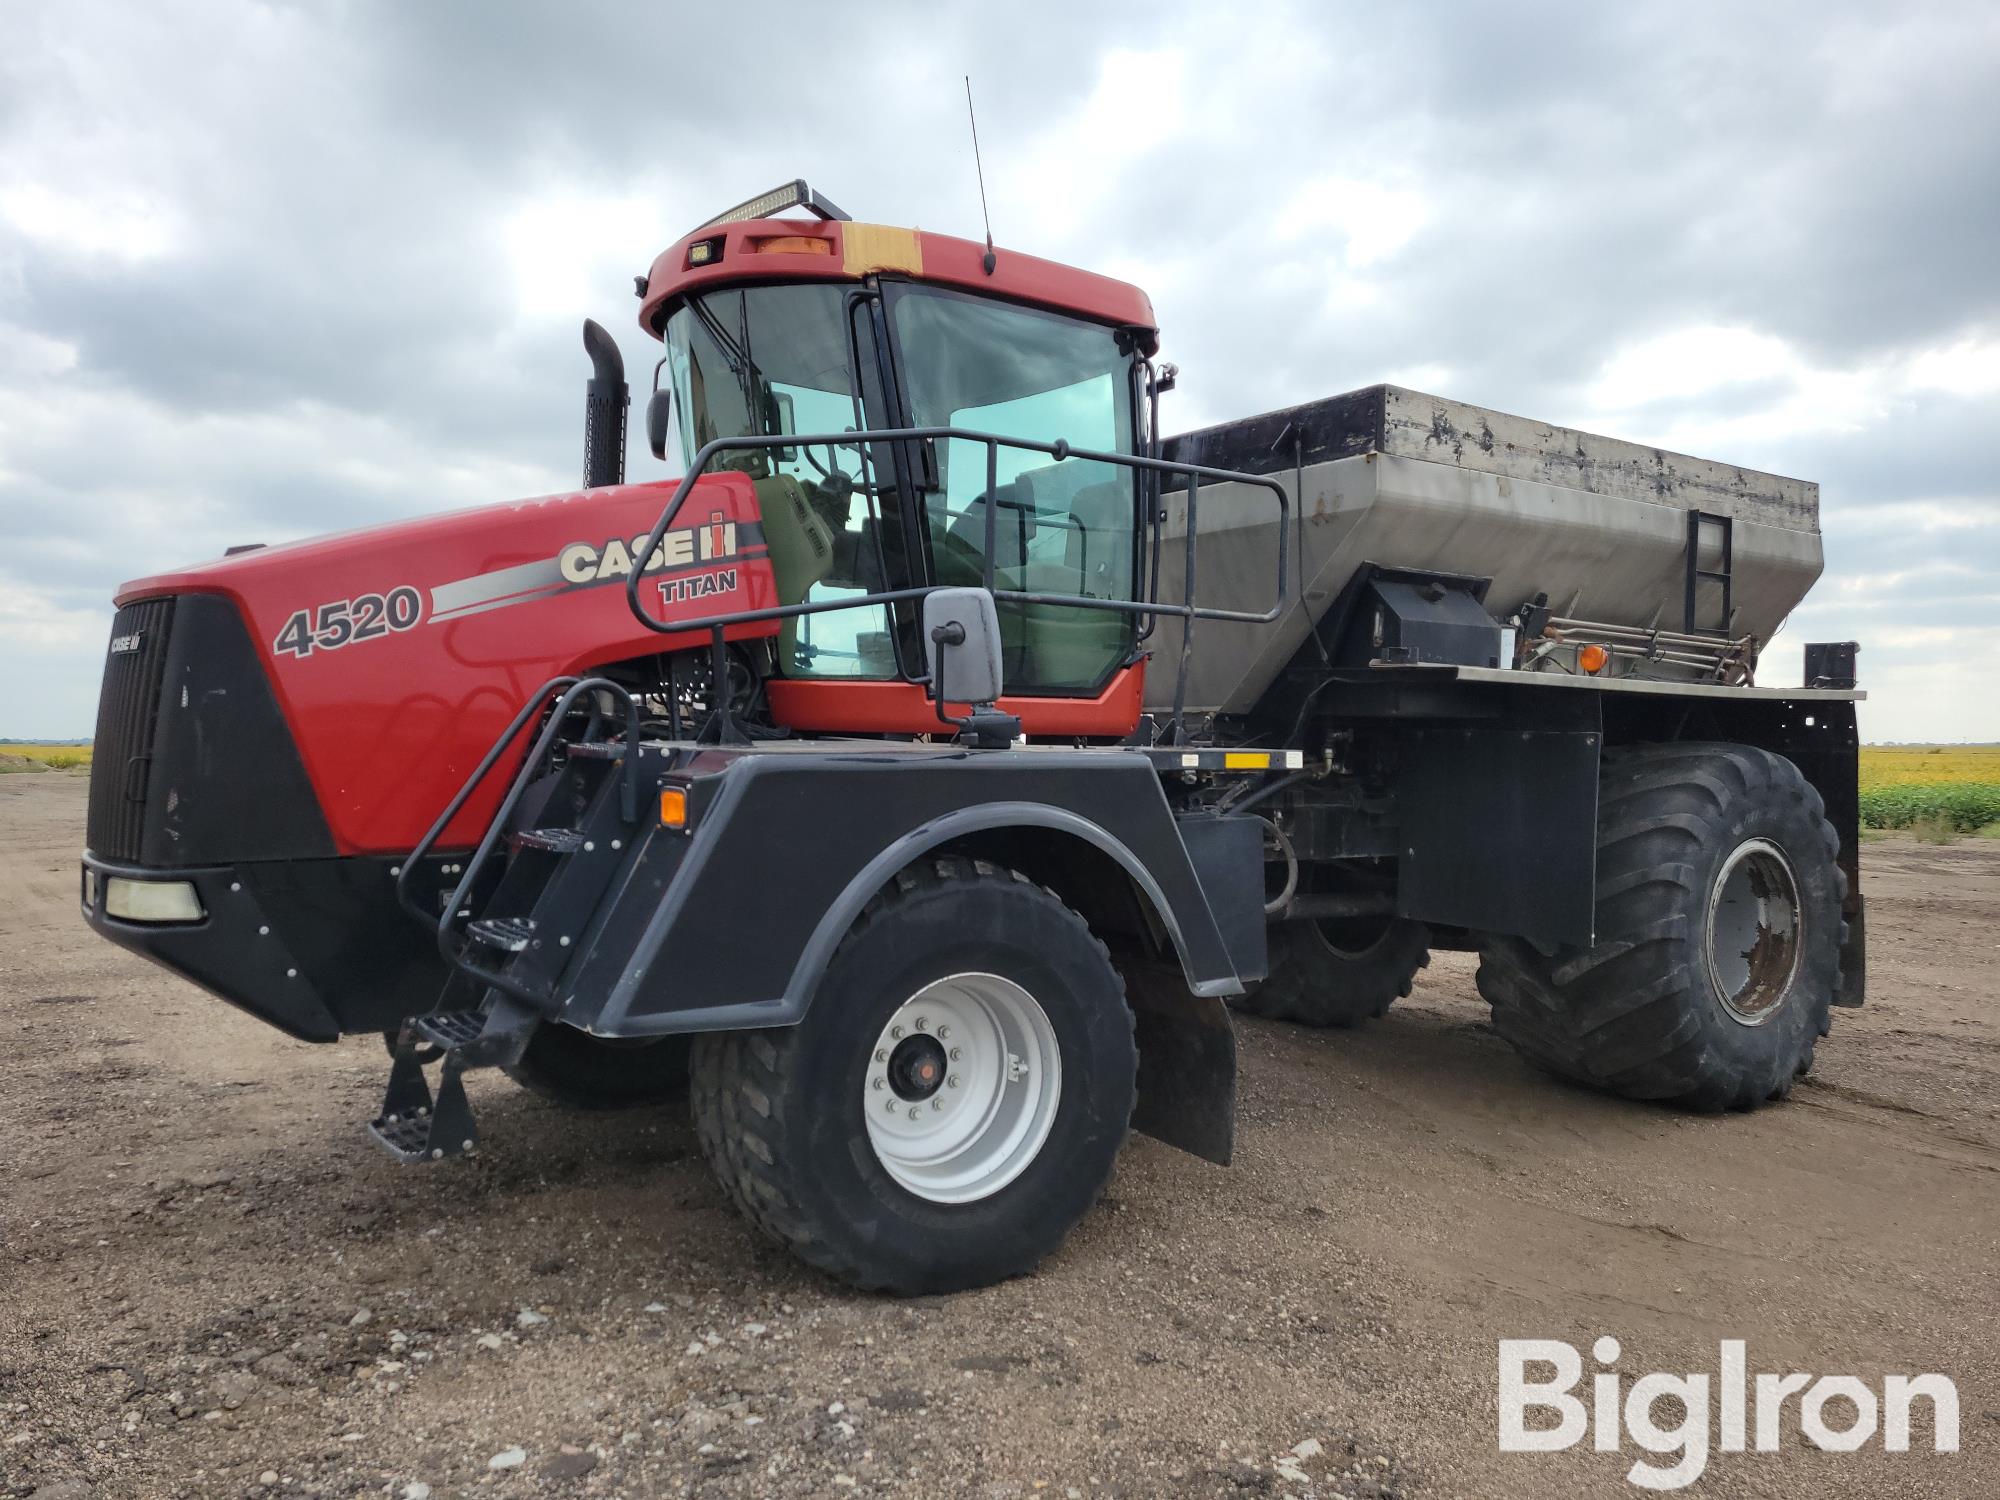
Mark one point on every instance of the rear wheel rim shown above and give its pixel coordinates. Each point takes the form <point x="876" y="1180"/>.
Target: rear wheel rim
<point x="1755" y="922"/>
<point x="961" y="1088"/>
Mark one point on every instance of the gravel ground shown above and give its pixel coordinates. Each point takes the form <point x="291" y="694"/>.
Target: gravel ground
<point x="214" y="1286"/>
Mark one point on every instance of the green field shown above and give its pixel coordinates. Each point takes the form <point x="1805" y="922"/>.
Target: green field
<point x="17" y="757"/>
<point x="1936" y="790"/>
<point x="1933" y="790"/>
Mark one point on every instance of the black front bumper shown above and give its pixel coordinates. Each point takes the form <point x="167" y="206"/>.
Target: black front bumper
<point x="316" y="948"/>
<point x="198" y="780"/>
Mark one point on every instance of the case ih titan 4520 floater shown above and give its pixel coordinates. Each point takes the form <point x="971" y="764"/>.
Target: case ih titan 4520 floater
<point x="919" y="778"/>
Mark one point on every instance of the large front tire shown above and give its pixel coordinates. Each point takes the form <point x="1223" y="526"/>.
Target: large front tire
<point x="976" y="1015"/>
<point x="1718" y="936"/>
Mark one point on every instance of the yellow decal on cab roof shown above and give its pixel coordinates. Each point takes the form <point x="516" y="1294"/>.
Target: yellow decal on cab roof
<point x="868" y="248"/>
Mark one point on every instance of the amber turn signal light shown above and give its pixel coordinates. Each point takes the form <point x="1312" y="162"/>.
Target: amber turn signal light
<point x="791" y="244"/>
<point x="1593" y="659"/>
<point x="673" y="807"/>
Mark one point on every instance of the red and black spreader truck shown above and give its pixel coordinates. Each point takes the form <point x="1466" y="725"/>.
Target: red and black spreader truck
<point x="917" y="782"/>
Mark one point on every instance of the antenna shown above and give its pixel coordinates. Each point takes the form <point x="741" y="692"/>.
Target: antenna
<point x="990" y="259"/>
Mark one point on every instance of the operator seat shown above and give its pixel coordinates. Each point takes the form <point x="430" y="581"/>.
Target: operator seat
<point x="1075" y="648"/>
<point x="1050" y="645"/>
<point x="1099" y="553"/>
<point x="1014" y="527"/>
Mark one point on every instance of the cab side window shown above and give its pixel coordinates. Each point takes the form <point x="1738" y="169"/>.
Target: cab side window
<point x="1058" y="526"/>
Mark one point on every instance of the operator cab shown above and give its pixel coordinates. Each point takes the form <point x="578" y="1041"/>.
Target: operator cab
<point x="818" y="328"/>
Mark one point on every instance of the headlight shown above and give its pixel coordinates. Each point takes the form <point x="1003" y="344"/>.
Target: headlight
<point x="151" y="900"/>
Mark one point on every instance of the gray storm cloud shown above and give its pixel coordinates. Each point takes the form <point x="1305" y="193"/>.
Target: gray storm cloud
<point x="272" y="270"/>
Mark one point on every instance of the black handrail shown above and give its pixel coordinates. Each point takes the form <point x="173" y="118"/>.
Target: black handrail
<point x="573" y="688"/>
<point x="1059" y="450"/>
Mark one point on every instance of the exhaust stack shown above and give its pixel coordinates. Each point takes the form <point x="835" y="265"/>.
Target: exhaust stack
<point x="605" y="398"/>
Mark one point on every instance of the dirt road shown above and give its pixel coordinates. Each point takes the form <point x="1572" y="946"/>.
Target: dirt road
<point x="211" y="1285"/>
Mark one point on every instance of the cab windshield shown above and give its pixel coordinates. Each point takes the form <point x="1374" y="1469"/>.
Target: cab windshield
<point x="776" y="360"/>
<point x="767" y="361"/>
<point x="763" y="361"/>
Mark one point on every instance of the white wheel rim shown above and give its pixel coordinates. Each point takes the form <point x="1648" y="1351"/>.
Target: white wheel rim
<point x="1754" y="922"/>
<point x="976" y="1126"/>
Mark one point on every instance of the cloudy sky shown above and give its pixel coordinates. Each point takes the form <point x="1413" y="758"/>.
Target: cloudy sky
<point x="274" y="269"/>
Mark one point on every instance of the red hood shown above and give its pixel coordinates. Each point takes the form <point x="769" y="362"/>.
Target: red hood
<point x="399" y="652"/>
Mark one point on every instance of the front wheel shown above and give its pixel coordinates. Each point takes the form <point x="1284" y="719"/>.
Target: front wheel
<point x="1718" y="936"/>
<point x="952" y="1102"/>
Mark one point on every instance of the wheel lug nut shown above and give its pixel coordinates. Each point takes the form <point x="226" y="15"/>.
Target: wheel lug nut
<point x="957" y="1053"/>
<point x="877" y="1083"/>
<point x="951" y="1082"/>
<point x="943" y="1032"/>
<point x="913" y="1111"/>
<point x="923" y="1022"/>
<point x="889" y="1105"/>
<point x="881" y="1054"/>
<point x="937" y="1104"/>
<point x="896" y="1032"/>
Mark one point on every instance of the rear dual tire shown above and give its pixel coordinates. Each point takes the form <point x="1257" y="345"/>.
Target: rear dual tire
<point x="1338" y="973"/>
<point x="579" y="1071"/>
<point x="992" y="1140"/>
<point x="1718" y="926"/>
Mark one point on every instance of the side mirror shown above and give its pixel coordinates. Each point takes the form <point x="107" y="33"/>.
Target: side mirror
<point x="962" y="634"/>
<point x="659" y="421"/>
<point x="784" y="423"/>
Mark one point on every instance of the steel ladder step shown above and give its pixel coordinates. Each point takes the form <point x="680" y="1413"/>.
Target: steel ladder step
<point x="555" y="840"/>
<point x="506" y="934"/>
<point x="414" y="1124"/>
<point x="450" y="1028"/>
<point x="412" y="1128"/>
<point x="405" y="1137"/>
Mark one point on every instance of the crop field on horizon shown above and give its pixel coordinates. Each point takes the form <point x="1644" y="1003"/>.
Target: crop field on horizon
<point x="1947" y="788"/>
<point x="43" y="757"/>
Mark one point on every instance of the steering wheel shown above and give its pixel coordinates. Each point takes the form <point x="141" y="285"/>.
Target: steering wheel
<point x="835" y="484"/>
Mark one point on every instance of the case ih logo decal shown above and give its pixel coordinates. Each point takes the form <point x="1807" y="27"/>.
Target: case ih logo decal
<point x="688" y="557"/>
<point x="580" y="562"/>
<point x="125" y="645"/>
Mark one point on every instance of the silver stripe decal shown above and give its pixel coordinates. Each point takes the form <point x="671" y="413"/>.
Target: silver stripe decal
<point x="540" y="577"/>
<point x="508" y="603"/>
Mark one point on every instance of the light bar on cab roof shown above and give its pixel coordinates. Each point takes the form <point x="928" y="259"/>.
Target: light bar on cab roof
<point x="794" y="194"/>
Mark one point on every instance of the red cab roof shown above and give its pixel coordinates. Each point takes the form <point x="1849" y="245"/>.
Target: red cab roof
<point x="841" y="250"/>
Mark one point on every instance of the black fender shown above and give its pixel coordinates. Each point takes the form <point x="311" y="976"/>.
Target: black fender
<point x="743" y="912"/>
<point x="951" y="828"/>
